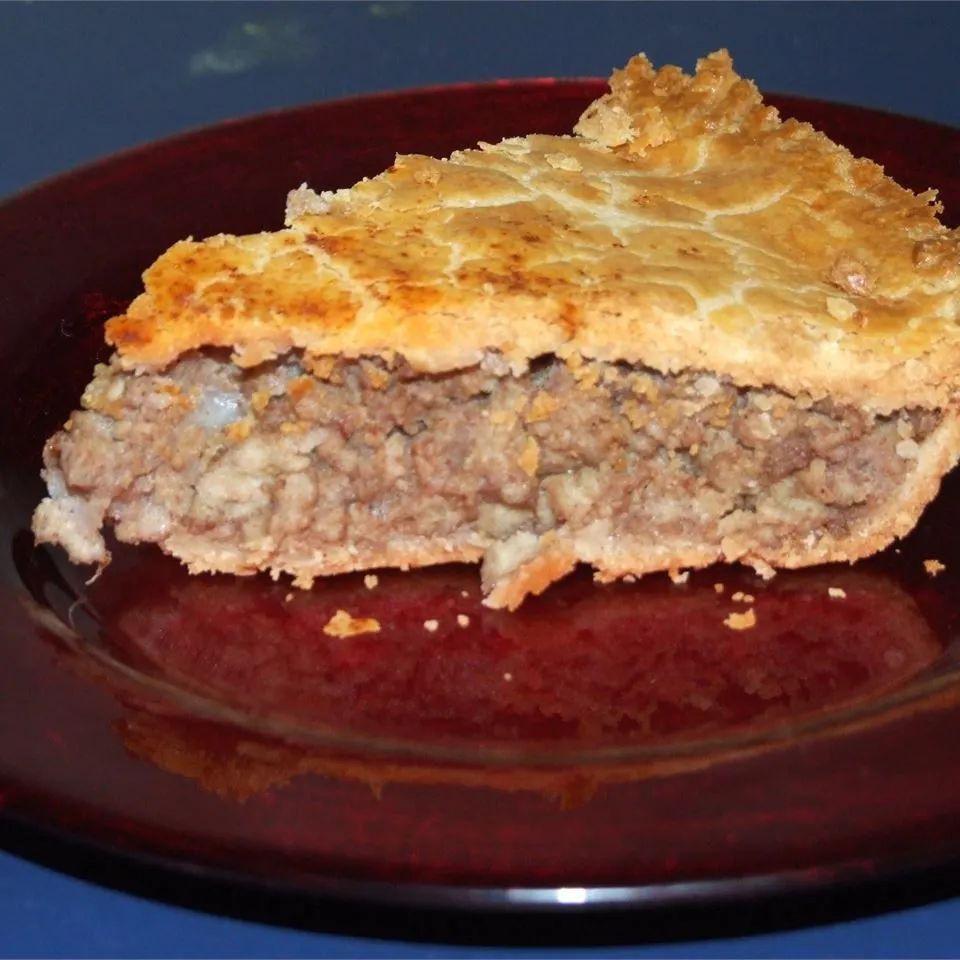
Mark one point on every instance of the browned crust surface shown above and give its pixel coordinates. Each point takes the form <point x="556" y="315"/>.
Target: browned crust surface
<point x="683" y="226"/>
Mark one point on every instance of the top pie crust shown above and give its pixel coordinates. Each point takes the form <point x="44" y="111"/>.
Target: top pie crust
<point x="682" y="226"/>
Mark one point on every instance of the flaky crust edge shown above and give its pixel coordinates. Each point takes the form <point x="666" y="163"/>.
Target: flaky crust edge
<point x="882" y="365"/>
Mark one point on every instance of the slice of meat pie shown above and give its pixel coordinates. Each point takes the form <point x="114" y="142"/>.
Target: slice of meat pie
<point x="691" y="332"/>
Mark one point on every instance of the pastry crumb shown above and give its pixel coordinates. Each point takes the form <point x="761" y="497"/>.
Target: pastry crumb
<point x="763" y="569"/>
<point x="718" y="588"/>
<point x="629" y="578"/>
<point x="741" y="597"/>
<point x="541" y="406"/>
<point x="508" y="677"/>
<point x="679" y="577"/>
<point x="431" y="626"/>
<point x="741" y="621"/>
<point x="934" y="567"/>
<point x="370" y="581"/>
<point x="239" y="430"/>
<point x="838" y="593"/>
<point x="288" y="598"/>
<point x="260" y="400"/>
<point x="465" y="594"/>
<point x="377" y="376"/>
<point x="463" y="620"/>
<point x="530" y="457"/>
<point x="341" y="624"/>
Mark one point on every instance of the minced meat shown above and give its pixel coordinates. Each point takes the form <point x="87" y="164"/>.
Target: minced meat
<point x="291" y="459"/>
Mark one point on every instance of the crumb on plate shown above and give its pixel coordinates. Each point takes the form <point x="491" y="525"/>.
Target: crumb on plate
<point x="341" y="624"/>
<point x="741" y="621"/>
<point x="763" y="569"/>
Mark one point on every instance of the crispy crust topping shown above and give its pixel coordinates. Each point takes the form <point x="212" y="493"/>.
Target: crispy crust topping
<point x="683" y="226"/>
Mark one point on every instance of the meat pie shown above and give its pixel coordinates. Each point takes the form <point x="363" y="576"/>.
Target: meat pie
<point x="691" y="332"/>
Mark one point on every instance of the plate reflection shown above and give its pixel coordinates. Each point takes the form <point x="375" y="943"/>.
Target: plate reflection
<point x="235" y="683"/>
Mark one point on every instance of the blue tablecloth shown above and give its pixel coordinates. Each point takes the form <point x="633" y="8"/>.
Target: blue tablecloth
<point x="80" y="80"/>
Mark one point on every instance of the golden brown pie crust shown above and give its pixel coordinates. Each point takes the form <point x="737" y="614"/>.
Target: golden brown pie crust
<point x="683" y="226"/>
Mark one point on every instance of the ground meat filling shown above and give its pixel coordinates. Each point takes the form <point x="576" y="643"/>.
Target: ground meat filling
<point x="289" y="462"/>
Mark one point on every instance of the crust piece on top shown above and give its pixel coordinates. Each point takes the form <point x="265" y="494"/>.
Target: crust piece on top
<point x="683" y="226"/>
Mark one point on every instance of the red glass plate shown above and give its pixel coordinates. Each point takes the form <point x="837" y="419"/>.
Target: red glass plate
<point x="604" y="745"/>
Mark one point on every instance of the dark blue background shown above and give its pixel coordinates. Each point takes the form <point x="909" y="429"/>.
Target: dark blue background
<point x="80" y="80"/>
